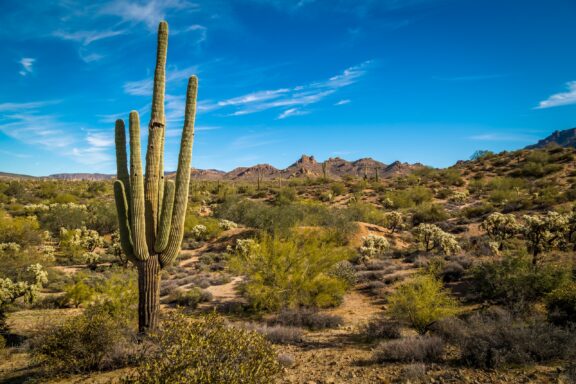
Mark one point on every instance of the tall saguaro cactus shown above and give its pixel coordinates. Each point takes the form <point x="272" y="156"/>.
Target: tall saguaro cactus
<point x="151" y="212"/>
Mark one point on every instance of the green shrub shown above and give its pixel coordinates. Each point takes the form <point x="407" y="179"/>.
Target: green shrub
<point x="428" y="213"/>
<point x="290" y="273"/>
<point x="561" y="304"/>
<point x="421" y="302"/>
<point x="88" y="342"/>
<point x="206" y="350"/>
<point x="190" y="298"/>
<point x="514" y="282"/>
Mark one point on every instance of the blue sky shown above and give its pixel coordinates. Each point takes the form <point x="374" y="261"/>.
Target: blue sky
<point x="426" y="81"/>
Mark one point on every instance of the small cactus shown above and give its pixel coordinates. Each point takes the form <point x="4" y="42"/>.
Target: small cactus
<point x="151" y="212"/>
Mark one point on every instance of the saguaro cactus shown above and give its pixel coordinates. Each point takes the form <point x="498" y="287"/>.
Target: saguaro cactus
<point x="151" y="212"/>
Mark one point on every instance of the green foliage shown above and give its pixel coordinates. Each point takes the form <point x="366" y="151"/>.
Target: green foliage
<point x="561" y="304"/>
<point x="206" y="350"/>
<point x="500" y="227"/>
<point x="428" y="213"/>
<point x="78" y="293"/>
<point x="211" y="227"/>
<point x="20" y="230"/>
<point x="410" y="197"/>
<point x="67" y="216"/>
<point x="79" y="244"/>
<point x="290" y="273"/>
<point x="544" y="232"/>
<point x="421" y="302"/>
<point x="513" y="281"/>
<point x="91" y="341"/>
<point x="190" y="298"/>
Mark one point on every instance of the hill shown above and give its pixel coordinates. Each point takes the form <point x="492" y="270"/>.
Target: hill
<point x="564" y="138"/>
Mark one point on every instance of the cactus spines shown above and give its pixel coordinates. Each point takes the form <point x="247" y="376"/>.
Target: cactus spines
<point x="151" y="212"/>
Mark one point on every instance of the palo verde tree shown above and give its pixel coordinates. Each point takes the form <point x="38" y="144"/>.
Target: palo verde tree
<point x="151" y="212"/>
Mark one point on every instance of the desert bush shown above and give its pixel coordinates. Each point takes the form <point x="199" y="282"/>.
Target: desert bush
<point x="189" y="298"/>
<point x="428" y="213"/>
<point x="500" y="227"/>
<point x="200" y="227"/>
<point x="78" y="293"/>
<point x="410" y="349"/>
<point x="544" y="232"/>
<point x="87" y="342"/>
<point x="421" y="302"/>
<point x="290" y="273"/>
<point x="512" y="281"/>
<point x="561" y="304"/>
<point x="206" y="350"/>
<point x="78" y="244"/>
<point x="102" y="217"/>
<point x="227" y="224"/>
<point x="380" y="328"/>
<point x="494" y="339"/>
<point x="308" y="318"/>
<point x="68" y="216"/>
<point x="393" y="221"/>
<point x="410" y="197"/>
<point x="345" y="271"/>
<point x="19" y="230"/>
<point x="277" y="334"/>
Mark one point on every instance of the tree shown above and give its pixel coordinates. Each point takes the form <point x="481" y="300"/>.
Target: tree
<point x="421" y="302"/>
<point x="499" y="228"/>
<point x="432" y="237"/>
<point x="151" y="212"/>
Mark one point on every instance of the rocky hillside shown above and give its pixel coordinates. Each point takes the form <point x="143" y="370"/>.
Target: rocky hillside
<point x="565" y="138"/>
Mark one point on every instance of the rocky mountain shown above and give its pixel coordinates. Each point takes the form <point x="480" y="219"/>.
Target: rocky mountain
<point x="82" y="176"/>
<point x="7" y="175"/>
<point x="565" y="138"/>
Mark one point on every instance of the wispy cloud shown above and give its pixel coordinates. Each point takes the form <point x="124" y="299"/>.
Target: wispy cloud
<point x="144" y="87"/>
<point x="87" y="37"/>
<point x="559" y="99"/>
<point x="291" y="98"/>
<point x="18" y="107"/>
<point x="292" y="112"/>
<point x="147" y="12"/>
<point x="343" y="102"/>
<point x="27" y="64"/>
<point x="253" y="140"/>
<point x="100" y="139"/>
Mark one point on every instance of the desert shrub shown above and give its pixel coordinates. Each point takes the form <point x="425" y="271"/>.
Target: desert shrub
<point x="338" y="189"/>
<point x="20" y="230"/>
<point x="200" y="227"/>
<point x="206" y="350"/>
<point x="308" y="318"/>
<point x="285" y="196"/>
<point x="393" y="220"/>
<point x="500" y="227"/>
<point x="514" y="282"/>
<point x="277" y="334"/>
<point x="78" y="293"/>
<point x="288" y="273"/>
<point x="452" y="271"/>
<point x="227" y="224"/>
<point x="428" y="213"/>
<point x="414" y="373"/>
<point x="79" y="244"/>
<point x="410" y="349"/>
<point x="102" y="217"/>
<point x="410" y="197"/>
<point x="494" y="339"/>
<point x="561" y="304"/>
<point x="477" y="210"/>
<point x="69" y="216"/>
<point x="380" y="328"/>
<point x="92" y="341"/>
<point x="189" y="298"/>
<point x="421" y="302"/>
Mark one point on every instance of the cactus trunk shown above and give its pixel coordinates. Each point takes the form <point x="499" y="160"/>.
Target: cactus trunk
<point x="151" y="213"/>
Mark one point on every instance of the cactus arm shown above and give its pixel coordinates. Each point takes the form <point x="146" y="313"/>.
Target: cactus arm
<point x="165" y="218"/>
<point x="123" y="221"/>
<point x="161" y="182"/>
<point x="121" y="160"/>
<point x="182" y="177"/>
<point x="155" y="140"/>
<point x="138" y="224"/>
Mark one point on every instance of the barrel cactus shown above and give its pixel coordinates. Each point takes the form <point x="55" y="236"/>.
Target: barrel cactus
<point x="151" y="211"/>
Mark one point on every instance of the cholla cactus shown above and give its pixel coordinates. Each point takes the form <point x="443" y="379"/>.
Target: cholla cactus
<point x="459" y="197"/>
<point x="227" y="224"/>
<point x="373" y="245"/>
<point x="81" y="238"/>
<point x="10" y="290"/>
<point x="544" y="232"/>
<point x="244" y="247"/>
<point x="387" y="203"/>
<point x="394" y="220"/>
<point x="151" y="212"/>
<point x="9" y="247"/>
<point x="198" y="231"/>
<point x="49" y="252"/>
<point x="432" y="237"/>
<point x="499" y="228"/>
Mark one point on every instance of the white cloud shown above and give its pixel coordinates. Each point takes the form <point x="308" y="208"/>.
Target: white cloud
<point x="27" y="64"/>
<point x="343" y="102"/>
<point x="292" y="112"/>
<point x="149" y="13"/>
<point x="291" y="98"/>
<point x="100" y="139"/>
<point x="559" y="99"/>
<point x="501" y="137"/>
<point x="87" y="37"/>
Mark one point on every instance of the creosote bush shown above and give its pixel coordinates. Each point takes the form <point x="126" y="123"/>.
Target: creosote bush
<point x="205" y="350"/>
<point x="308" y="318"/>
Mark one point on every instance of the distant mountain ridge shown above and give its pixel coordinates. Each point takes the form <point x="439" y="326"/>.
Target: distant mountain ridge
<point x="564" y="138"/>
<point x="305" y="166"/>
